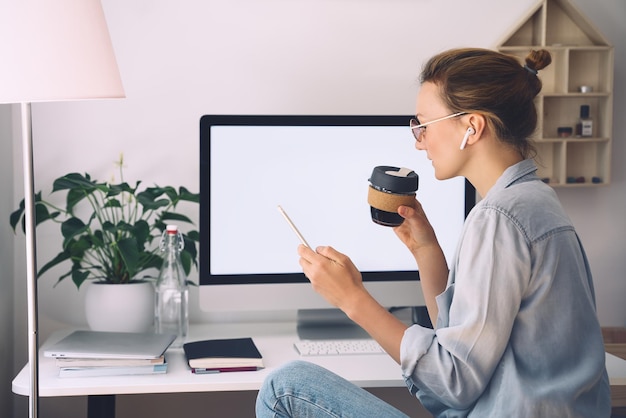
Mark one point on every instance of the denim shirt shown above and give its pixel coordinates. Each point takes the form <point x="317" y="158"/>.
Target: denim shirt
<point x="517" y="333"/>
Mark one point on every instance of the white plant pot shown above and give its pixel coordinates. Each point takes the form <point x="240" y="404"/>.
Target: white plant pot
<point x="120" y="307"/>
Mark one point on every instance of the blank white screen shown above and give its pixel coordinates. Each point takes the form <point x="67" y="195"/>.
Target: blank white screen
<point x="319" y="175"/>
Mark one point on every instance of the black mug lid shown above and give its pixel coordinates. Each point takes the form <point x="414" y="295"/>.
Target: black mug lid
<point x="394" y="179"/>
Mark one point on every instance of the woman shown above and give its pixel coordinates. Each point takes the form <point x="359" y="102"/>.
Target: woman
<point x="516" y="331"/>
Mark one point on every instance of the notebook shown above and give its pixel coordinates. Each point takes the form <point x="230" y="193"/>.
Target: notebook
<point x="99" y="344"/>
<point x="234" y="354"/>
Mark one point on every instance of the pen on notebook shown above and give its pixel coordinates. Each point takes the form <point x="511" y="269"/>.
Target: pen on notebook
<point x="224" y="370"/>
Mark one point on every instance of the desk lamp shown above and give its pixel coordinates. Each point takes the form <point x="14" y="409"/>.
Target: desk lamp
<point x="50" y="51"/>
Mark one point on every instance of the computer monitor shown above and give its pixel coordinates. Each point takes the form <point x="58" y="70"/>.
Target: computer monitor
<point x="317" y="168"/>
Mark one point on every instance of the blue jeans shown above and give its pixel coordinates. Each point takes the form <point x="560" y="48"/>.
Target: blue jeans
<point x="301" y="389"/>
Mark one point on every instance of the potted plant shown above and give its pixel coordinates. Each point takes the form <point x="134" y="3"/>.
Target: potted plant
<point x="111" y="233"/>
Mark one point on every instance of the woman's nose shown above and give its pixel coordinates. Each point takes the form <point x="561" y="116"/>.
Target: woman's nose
<point x="419" y="145"/>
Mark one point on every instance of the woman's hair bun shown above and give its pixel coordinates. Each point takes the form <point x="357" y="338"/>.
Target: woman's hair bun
<point x="538" y="60"/>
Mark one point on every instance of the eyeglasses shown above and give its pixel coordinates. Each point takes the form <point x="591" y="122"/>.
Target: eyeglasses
<point x="419" y="129"/>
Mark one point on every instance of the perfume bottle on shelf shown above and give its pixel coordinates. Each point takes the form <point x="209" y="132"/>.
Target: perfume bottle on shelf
<point x="584" y="127"/>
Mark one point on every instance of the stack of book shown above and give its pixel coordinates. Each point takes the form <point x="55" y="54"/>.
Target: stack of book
<point x="93" y="353"/>
<point x="84" y="367"/>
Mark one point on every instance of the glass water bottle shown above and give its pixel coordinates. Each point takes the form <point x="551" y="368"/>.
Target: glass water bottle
<point x="172" y="294"/>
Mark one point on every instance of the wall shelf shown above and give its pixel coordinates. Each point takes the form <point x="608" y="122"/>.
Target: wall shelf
<point x="581" y="56"/>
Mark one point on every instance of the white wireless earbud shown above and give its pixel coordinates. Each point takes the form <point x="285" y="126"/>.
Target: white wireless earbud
<point x="470" y="131"/>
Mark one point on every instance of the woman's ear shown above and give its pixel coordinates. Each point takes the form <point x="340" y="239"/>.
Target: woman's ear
<point x="470" y="131"/>
<point x="475" y="129"/>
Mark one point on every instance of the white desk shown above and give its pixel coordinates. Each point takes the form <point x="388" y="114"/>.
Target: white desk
<point x="275" y="342"/>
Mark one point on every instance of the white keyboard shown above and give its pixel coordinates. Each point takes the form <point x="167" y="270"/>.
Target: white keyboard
<point x="337" y="347"/>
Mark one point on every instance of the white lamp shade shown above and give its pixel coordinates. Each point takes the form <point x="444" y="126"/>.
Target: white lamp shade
<point x="56" y="50"/>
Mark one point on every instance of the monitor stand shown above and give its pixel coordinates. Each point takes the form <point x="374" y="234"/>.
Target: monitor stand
<point x="327" y="324"/>
<point x="333" y="324"/>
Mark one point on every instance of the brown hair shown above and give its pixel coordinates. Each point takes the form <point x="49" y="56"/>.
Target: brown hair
<point x="496" y="85"/>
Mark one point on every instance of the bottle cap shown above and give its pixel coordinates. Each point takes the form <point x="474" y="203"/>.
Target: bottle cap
<point x="171" y="229"/>
<point x="584" y="111"/>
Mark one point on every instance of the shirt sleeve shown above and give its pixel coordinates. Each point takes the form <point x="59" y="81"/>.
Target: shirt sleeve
<point x="454" y="363"/>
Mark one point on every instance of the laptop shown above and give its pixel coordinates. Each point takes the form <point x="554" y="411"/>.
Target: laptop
<point x="99" y="344"/>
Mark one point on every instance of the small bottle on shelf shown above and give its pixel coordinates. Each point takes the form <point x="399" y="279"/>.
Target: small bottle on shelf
<point x="172" y="294"/>
<point x="584" y="127"/>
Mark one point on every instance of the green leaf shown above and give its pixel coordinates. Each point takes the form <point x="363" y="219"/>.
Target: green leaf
<point x="141" y="232"/>
<point x="171" y="193"/>
<point x="78" y="275"/>
<point x="41" y="214"/>
<point x="130" y="255"/>
<point x="78" y="247"/>
<point x="74" y="197"/>
<point x="151" y="260"/>
<point x="73" y="227"/>
<point x="171" y="216"/>
<point x="73" y="181"/>
<point x="69" y="273"/>
<point x="58" y="259"/>
<point x="186" y="261"/>
<point x="15" y="218"/>
<point x="116" y="189"/>
<point x="190" y="246"/>
<point x="150" y="202"/>
<point x="186" y="195"/>
<point x="193" y="235"/>
<point x="112" y="203"/>
<point x="97" y="239"/>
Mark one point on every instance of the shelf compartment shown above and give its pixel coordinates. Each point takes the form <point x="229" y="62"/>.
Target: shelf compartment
<point x="587" y="160"/>
<point x="561" y="29"/>
<point x="589" y="67"/>
<point x="549" y="162"/>
<point x="552" y="76"/>
<point x="564" y="110"/>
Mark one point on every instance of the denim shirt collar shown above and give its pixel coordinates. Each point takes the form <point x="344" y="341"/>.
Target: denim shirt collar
<point x="524" y="170"/>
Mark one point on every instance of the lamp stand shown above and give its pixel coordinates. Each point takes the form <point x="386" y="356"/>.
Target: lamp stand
<point x="31" y="258"/>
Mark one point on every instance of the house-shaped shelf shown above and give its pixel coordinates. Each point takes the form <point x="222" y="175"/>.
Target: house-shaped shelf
<point x="581" y="73"/>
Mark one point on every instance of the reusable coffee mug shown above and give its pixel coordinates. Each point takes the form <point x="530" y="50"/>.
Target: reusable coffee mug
<point x="391" y="187"/>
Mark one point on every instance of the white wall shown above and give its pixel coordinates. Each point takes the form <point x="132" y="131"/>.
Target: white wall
<point x="182" y="59"/>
